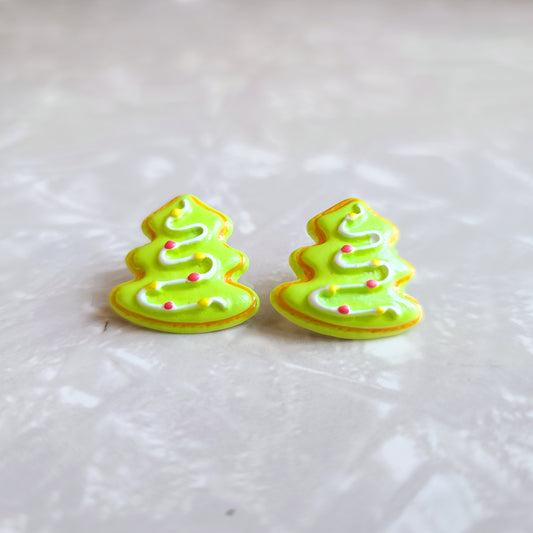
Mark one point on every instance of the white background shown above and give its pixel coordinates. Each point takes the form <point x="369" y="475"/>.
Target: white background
<point x="270" y="111"/>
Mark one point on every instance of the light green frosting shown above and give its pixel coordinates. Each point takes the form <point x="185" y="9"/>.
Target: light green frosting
<point x="331" y="295"/>
<point x="188" y="241"/>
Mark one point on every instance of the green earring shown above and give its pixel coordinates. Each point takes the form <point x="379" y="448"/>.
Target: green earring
<point x="186" y="278"/>
<point x="351" y="282"/>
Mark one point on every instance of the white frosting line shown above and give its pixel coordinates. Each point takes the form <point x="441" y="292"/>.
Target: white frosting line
<point x="185" y="208"/>
<point x="339" y="262"/>
<point x="361" y="217"/>
<point x="376" y="239"/>
<point x="361" y="285"/>
<point x="314" y="300"/>
<point x="209" y="274"/>
<point x="218" y="300"/>
<point x="141" y="298"/>
<point x="164" y="260"/>
<point x="393" y="308"/>
<point x="162" y="254"/>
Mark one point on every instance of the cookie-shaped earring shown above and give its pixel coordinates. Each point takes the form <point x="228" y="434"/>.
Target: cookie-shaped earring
<point x="186" y="277"/>
<point x="350" y="283"/>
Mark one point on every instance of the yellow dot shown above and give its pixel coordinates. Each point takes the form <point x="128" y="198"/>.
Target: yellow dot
<point x="176" y="213"/>
<point x="381" y="310"/>
<point x="353" y="215"/>
<point x="204" y="302"/>
<point x="151" y="286"/>
<point x="199" y="255"/>
<point x="376" y="262"/>
<point x="333" y="289"/>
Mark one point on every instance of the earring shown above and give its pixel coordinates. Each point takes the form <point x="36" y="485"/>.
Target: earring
<point x="350" y="283"/>
<point x="186" y="277"/>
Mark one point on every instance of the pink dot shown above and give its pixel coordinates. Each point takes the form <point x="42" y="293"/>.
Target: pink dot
<point x="194" y="276"/>
<point x="168" y="305"/>
<point x="346" y="249"/>
<point x="344" y="309"/>
<point x="372" y="283"/>
<point x="170" y="244"/>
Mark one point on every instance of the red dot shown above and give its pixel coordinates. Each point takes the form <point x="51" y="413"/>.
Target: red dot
<point x="372" y="283"/>
<point x="194" y="276"/>
<point x="344" y="309"/>
<point x="168" y="305"/>
<point x="346" y="249"/>
<point x="170" y="244"/>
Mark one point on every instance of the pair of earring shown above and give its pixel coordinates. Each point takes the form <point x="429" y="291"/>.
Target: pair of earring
<point x="350" y="283"/>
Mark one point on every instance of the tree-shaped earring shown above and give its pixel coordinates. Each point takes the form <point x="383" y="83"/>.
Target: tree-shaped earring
<point x="186" y="277"/>
<point x="350" y="283"/>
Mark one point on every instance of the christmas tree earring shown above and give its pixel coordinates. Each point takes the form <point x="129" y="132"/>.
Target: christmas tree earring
<point x="350" y="283"/>
<point x="186" y="277"/>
